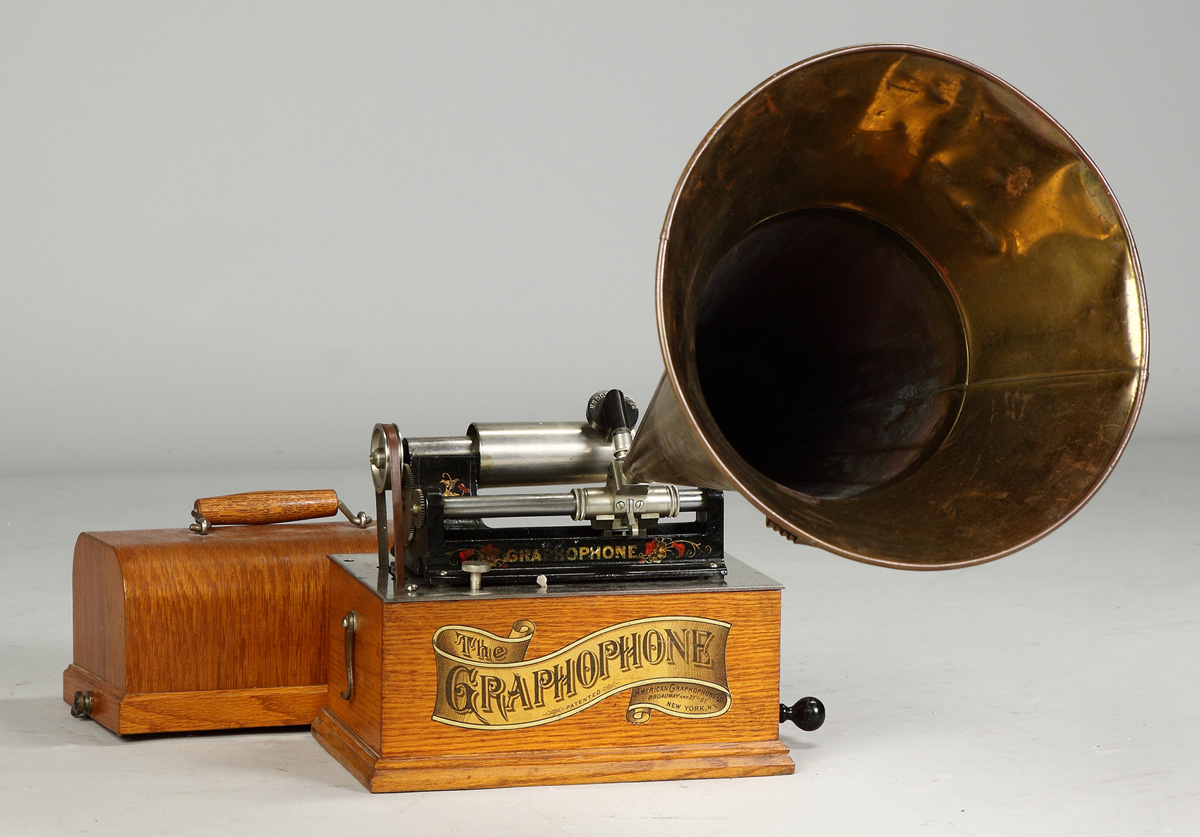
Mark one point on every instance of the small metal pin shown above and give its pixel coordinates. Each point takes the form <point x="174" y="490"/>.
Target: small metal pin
<point x="361" y="520"/>
<point x="81" y="706"/>
<point x="476" y="570"/>
<point x="201" y="526"/>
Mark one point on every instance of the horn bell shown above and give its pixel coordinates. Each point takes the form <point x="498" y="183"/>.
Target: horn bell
<point x="900" y="311"/>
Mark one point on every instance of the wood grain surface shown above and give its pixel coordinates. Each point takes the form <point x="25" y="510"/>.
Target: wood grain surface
<point x="162" y="616"/>
<point x="131" y="714"/>
<point x="573" y="766"/>
<point x="258" y="507"/>
<point x="386" y="734"/>
<point x="364" y="710"/>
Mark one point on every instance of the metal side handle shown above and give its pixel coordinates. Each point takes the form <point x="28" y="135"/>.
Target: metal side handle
<point x="350" y="626"/>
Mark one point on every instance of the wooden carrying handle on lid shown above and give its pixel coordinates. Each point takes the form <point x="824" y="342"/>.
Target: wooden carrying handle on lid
<point x="262" y="507"/>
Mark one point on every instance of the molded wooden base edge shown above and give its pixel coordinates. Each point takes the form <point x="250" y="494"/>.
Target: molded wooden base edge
<point x="547" y="767"/>
<point x="131" y="714"/>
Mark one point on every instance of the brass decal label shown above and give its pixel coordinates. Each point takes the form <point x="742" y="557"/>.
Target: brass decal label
<point x="673" y="664"/>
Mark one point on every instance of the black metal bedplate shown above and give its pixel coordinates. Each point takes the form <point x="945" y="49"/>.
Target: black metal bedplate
<point x="575" y="552"/>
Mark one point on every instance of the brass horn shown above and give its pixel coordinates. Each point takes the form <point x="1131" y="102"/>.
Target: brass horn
<point x="900" y="311"/>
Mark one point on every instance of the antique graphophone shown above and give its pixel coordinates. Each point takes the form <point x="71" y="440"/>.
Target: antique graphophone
<point x="900" y="312"/>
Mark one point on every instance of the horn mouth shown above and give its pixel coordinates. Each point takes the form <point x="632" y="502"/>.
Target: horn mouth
<point x="829" y="352"/>
<point x="983" y="367"/>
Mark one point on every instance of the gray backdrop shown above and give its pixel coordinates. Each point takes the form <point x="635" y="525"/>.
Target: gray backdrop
<point x="237" y="235"/>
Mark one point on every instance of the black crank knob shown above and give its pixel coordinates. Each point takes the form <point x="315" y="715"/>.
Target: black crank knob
<point x="808" y="713"/>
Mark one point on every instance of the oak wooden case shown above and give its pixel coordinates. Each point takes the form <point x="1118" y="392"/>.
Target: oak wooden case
<point x="413" y="720"/>
<point x="175" y="631"/>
